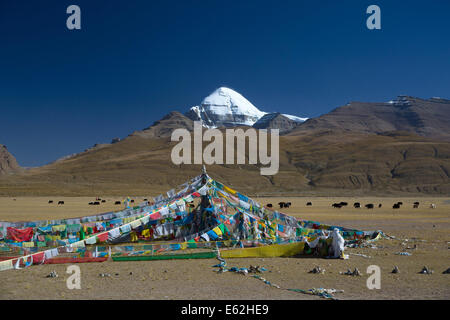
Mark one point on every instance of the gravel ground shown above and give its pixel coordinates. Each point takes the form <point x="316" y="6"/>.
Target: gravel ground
<point x="426" y="228"/>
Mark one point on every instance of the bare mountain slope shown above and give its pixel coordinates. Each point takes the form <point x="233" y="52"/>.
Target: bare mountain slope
<point x="164" y="127"/>
<point x="276" y="121"/>
<point x="428" y="118"/>
<point x="8" y="163"/>
<point x="368" y="148"/>
<point x="316" y="162"/>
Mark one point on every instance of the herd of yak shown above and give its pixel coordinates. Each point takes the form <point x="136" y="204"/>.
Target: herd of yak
<point x="281" y="204"/>
<point x="97" y="202"/>
<point x="355" y="205"/>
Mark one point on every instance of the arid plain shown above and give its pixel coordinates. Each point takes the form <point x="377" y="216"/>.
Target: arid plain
<point x="424" y="228"/>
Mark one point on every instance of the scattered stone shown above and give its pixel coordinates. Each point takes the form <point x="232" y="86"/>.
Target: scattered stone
<point x="395" y="270"/>
<point x="425" y="270"/>
<point x="317" y="270"/>
<point x="243" y="271"/>
<point x="361" y="255"/>
<point x="256" y="269"/>
<point x="52" y="274"/>
<point x="352" y="273"/>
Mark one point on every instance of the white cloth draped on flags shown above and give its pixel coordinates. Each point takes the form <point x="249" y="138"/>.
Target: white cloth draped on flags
<point x="244" y="204"/>
<point x="159" y="230"/>
<point x="6" y="265"/>
<point x="125" y="228"/>
<point x="114" y="233"/>
<point x="50" y="253"/>
<point x="136" y="223"/>
<point x="168" y="228"/>
<point x="205" y="237"/>
<point x="91" y="240"/>
<point x="164" y="211"/>
<point x="181" y="205"/>
<point x="79" y="244"/>
<point x="145" y="219"/>
<point x="203" y="190"/>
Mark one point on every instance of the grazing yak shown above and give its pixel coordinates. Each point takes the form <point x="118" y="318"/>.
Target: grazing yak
<point x="117" y="202"/>
<point x="396" y="206"/>
<point x="50" y="201"/>
<point x="379" y="205"/>
<point x="309" y="204"/>
<point x="103" y="201"/>
<point x="432" y="206"/>
<point x="336" y="205"/>
<point x="269" y="205"/>
<point x="357" y="205"/>
<point x="60" y="202"/>
<point x="369" y="206"/>
<point x="343" y="203"/>
<point x="415" y="205"/>
<point x="284" y="204"/>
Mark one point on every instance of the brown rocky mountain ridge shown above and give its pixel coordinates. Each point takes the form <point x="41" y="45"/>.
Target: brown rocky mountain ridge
<point x="428" y="118"/>
<point x="276" y="121"/>
<point x="401" y="147"/>
<point x="8" y="163"/>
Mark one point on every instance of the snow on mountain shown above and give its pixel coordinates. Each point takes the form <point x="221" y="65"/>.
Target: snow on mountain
<point x="226" y="107"/>
<point x="295" y="118"/>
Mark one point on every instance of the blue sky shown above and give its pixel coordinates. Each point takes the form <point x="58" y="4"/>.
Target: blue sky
<point x="62" y="91"/>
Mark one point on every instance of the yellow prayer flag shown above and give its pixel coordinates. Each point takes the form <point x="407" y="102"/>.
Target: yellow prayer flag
<point x="217" y="231"/>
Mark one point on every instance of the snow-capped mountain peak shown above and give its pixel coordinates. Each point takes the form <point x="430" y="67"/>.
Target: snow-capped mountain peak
<point x="226" y="107"/>
<point x="222" y="100"/>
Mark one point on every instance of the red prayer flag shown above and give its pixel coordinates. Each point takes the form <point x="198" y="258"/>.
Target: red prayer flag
<point x="155" y="216"/>
<point x="19" y="235"/>
<point x="102" y="237"/>
<point x="38" y="258"/>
